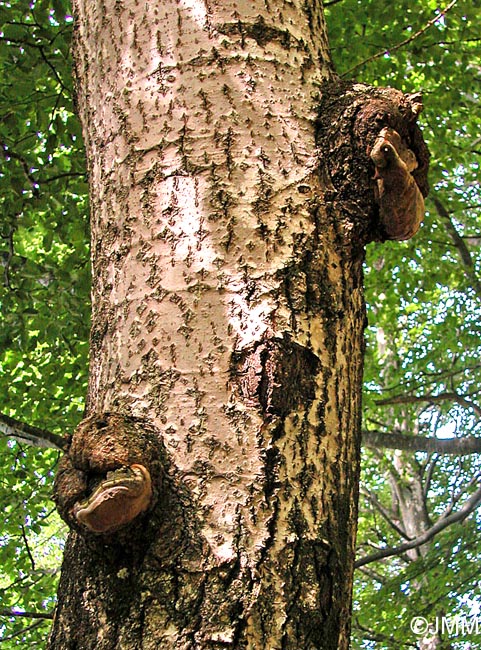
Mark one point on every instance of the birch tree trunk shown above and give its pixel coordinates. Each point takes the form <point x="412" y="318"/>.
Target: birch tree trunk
<point x="227" y="334"/>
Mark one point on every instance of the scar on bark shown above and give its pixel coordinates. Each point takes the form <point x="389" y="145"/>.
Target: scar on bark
<point x="110" y="475"/>
<point x="275" y="374"/>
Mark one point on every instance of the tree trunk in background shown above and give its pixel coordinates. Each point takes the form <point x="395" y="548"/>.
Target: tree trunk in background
<point x="227" y="335"/>
<point x="409" y="494"/>
<point x="407" y="509"/>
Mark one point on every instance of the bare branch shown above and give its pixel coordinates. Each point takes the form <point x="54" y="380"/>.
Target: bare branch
<point x="369" y="634"/>
<point x="27" y="547"/>
<point x="21" y="632"/>
<point x="432" y="399"/>
<point x="443" y="522"/>
<point x="13" y="612"/>
<point x="430" y="468"/>
<point x="8" y="153"/>
<point x="30" y="434"/>
<point x="460" y="245"/>
<point x="373" y="575"/>
<point x="429" y="24"/>
<point x="397" y="440"/>
<point x="456" y="496"/>
<point x="57" y="177"/>
<point x="383" y="512"/>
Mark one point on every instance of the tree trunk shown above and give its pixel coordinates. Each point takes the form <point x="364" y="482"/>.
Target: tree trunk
<point x="212" y="487"/>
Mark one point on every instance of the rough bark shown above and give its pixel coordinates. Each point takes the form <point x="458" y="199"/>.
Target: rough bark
<point x="228" y="225"/>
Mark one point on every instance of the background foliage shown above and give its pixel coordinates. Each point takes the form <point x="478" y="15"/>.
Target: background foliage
<point x="424" y="313"/>
<point x="44" y="297"/>
<point x="423" y="299"/>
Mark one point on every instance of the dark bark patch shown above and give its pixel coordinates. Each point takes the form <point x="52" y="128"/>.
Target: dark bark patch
<point x="276" y="374"/>
<point x="259" y="31"/>
<point x="272" y="460"/>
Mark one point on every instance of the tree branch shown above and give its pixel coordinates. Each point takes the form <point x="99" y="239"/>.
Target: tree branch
<point x="383" y="512"/>
<point x="37" y="437"/>
<point x="443" y="522"/>
<point x="27" y="547"/>
<point x="413" y="399"/>
<point x="460" y="245"/>
<point x="57" y="177"/>
<point x="30" y="434"/>
<point x="397" y="440"/>
<point x="8" y="153"/>
<point x="22" y="632"/>
<point x="402" y="43"/>
<point x="10" y="612"/>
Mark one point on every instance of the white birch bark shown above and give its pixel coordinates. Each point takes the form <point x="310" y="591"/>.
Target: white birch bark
<point x="228" y="313"/>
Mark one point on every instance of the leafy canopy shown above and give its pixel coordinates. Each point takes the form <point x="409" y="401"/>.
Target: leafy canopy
<point x="44" y="296"/>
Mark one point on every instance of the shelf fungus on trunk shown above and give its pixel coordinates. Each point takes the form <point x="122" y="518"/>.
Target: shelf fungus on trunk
<point x="111" y="473"/>
<point x="383" y="137"/>
<point x="116" y="501"/>
<point x="401" y="204"/>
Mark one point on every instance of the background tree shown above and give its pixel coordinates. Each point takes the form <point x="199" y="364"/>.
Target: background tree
<point x="425" y="321"/>
<point x="422" y="368"/>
